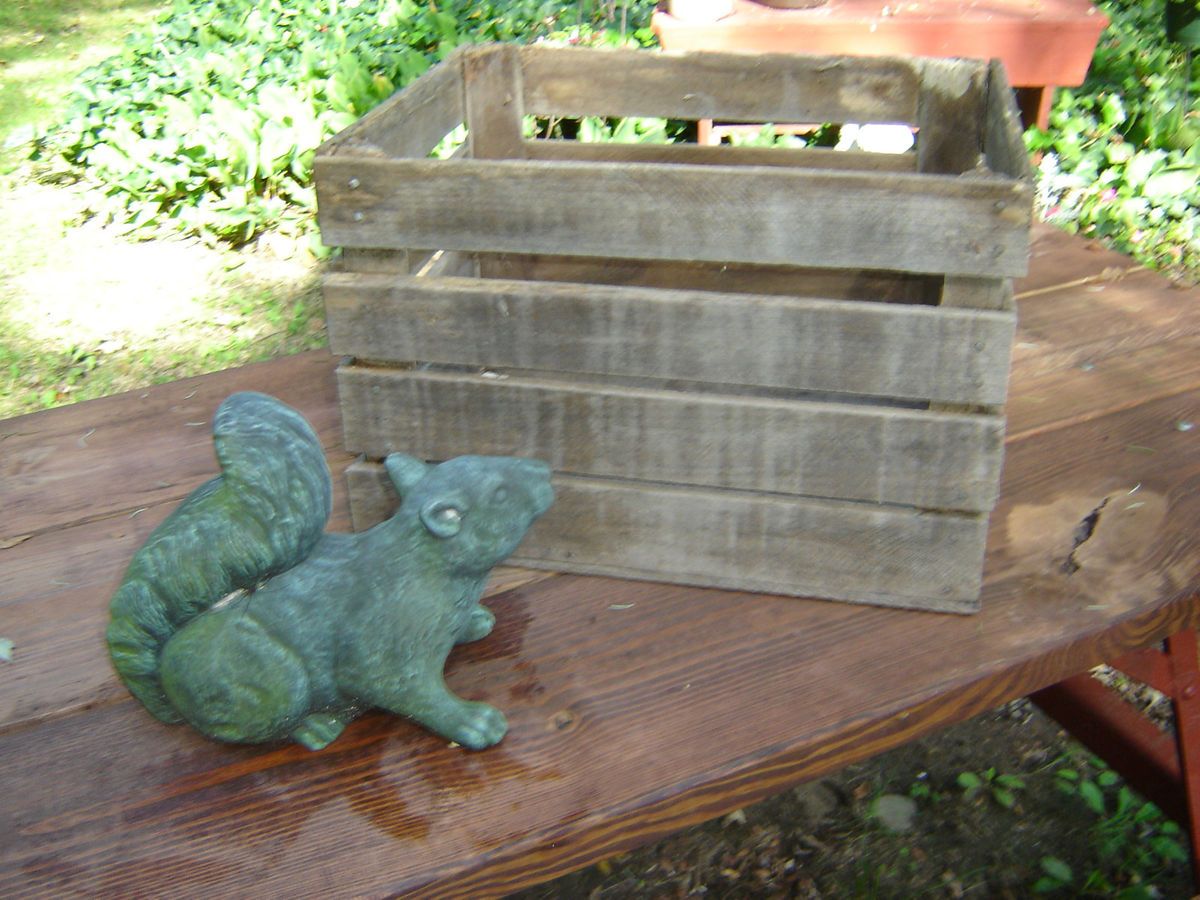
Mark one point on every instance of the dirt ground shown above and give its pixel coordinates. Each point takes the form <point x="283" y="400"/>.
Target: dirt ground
<point x="825" y="839"/>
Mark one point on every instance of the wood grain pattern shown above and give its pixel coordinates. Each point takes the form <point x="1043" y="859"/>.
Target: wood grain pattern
<point x="492" y="101"/>
<point x="765" y="87"/>
<point x="410" y="123"/>
<point x="896" y="456"/>
<point x="977" y="293"/>
<point x="582" y="775"/>
<point x="885" y="350"/>
<point x="857" y="552"/>
<point x="1003" y="147"/>
<point x="950" y="116"/>
<point x="899" y="221"/>
<point x="705" y="155"/>
<point x="794" y="281"/>
<point x="72" y="464"/>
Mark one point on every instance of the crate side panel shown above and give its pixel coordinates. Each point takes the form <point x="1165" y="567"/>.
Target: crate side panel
<point x="410" y="123"/>
<point x="738" y="87"/>
<point x="705" y="155"/>
<point x="752" y="214"/>
<point x="1003" y="145"/>
<point x="874" y="349"/>
<point x="831" y="284"/>
<point x="811" y="548"/>
<point x="907" y="457"/>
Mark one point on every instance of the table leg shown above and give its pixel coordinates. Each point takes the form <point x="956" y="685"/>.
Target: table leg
<point x="1034" y="103"/>
<point x="1162" y="766"/>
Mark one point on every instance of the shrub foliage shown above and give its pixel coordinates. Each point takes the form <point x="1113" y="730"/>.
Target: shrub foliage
<point x="1122" y="155"/>
<point x="208" y="122"/>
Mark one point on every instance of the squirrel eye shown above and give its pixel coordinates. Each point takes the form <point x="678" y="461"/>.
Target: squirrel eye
<point x="450" y="514"/>
<point x="501" y="494"/>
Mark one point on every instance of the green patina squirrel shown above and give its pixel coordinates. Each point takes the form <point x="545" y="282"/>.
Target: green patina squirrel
<point x="242" y="617"/>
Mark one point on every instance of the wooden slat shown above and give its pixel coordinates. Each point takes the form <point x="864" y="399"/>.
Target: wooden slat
<point x="564" y="81"/>
<point x="813" y="449"/>
<point x="888" y="350"/>
<point x="1003" y="146"/>
<point x="832" y="284"/>
<point x="493" y="102"/>
<point x="755" y="214"/>
<point x="412" y="122"/>
<point x="977" y="293"/>
<point x="857" y="552"/>
<point x="705" y="155"/>
<point x="950" y="119"/>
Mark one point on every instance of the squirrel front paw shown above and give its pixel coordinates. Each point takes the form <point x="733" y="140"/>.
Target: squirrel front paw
<point x="479" y="725"/>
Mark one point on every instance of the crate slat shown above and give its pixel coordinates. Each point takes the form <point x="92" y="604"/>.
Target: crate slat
<point x="754" y="214"/>
<point x="847" y="551"/>
<point x="564" y="81"/>
<point x="705" y="155"/>
<point x="875" y="349"/>
<point x="881" y="455"/>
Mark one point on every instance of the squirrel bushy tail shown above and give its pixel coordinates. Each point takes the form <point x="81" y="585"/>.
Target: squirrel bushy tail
<point x="262" y="515"/>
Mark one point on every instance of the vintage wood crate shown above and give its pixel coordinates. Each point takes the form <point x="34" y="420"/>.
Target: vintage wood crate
<point x="769" y="369"/>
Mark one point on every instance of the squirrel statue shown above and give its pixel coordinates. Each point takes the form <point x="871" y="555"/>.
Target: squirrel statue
<point x="242" y="617"/>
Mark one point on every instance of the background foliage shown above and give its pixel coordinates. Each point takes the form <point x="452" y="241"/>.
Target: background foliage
<point x="1122" y="155"/>
<point x="207" y="122"/>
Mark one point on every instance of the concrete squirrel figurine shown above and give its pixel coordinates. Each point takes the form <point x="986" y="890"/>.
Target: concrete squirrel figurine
<point x="242" y="617"/>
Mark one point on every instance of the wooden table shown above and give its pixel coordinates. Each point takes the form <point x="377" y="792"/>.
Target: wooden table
<point x="636" y="708"/>
<point x="1043" y="44"/>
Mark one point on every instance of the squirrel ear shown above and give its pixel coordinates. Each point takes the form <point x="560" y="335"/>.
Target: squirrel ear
<point x="405" y="471"/>
<point x="442" y="517"/>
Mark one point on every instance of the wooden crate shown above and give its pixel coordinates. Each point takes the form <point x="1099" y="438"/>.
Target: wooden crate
<point x="756" y="368"/>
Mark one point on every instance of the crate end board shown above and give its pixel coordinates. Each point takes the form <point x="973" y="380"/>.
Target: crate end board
<point x="840" y="551"/>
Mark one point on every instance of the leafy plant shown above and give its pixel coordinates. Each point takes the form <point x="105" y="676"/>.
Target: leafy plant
<point x="1130" y="835"/>
<point x="1000" y="787"/>
<point x="208" y="122"/>
<point x="1121" y="159"/>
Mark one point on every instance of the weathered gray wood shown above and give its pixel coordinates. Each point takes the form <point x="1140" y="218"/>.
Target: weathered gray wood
<point x="832" y="284"/>
<point x="898" y="456"/>
<point x="977" y="293"/>
<point x="887" y="350"/>
<point x="1004" y="148"/>
<point x="493" y="102"/>
<point x="951" y="116"/>
<point x="410" y="123"/>
<point x="368" y="260"/>
<point x="566" y="81"/>
<point x="705" y="155"/>
<point x="858" y="552"/>
<point x="754" y="214"/>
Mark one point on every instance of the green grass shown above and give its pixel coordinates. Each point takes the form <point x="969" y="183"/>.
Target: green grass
<point x="44" y="44"/>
